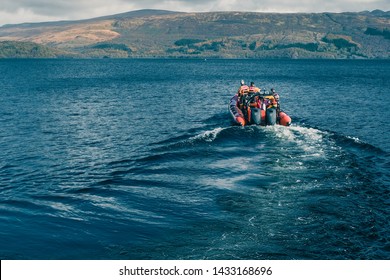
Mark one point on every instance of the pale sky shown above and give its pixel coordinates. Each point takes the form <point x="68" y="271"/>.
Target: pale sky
<point x="19" y="11"/>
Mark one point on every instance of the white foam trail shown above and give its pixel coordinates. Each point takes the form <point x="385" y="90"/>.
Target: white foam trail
<point x="355" y="139"/>
<point x="208" y="135"/>
<point x="310" y="140"/>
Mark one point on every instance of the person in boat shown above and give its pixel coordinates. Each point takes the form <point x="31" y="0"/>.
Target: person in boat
<point x="255" y="100"/>
<point x="253" y="88"/>
<point x="242" y="92"/>
<point x="277" y="97"/>
<point x="243" y="89"/>
<point x="275" y="94"/>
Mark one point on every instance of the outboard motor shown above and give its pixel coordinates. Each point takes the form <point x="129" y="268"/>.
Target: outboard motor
<point x="270" y="117"/>
<point x="256" y="116"/>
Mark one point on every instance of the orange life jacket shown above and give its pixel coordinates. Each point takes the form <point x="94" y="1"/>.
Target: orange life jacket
<point x="254" y="89"/>
<point x="243" y="89"/>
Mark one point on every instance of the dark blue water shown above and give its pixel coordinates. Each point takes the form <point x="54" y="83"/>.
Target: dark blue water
<point x="137" y="159"/>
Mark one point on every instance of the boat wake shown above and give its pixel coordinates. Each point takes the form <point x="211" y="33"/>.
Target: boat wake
<point x="208" y="136"/>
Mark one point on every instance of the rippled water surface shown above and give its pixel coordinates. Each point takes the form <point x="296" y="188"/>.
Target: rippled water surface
<point x="138" y="159"/>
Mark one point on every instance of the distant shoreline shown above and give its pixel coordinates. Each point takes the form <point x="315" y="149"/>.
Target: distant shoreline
<point x="226" y="35"/>
<point x="189" y="58"/>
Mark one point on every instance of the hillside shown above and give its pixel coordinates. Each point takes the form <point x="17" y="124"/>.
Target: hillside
<point x="153" y="33"/>
<point x="12" y="49"/>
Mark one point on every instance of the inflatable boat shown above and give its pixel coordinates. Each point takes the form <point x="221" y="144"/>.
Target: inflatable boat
<point x="260" y="108"/>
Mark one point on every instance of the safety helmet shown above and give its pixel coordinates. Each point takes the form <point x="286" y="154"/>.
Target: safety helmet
<point x="242" y="82"/>
<point x="252" y="83"/>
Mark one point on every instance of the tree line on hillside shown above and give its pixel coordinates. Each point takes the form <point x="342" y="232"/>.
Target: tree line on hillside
<point x="11" y="49"/>
<point x="330" y="42"/>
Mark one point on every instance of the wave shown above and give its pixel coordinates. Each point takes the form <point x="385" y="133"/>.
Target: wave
<point x="207" y="136"/>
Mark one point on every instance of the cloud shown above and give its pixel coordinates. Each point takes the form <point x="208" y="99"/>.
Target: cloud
<point x="264" y="5"/>
<point x="51" y="7"/>
<point x="17" y="11"/>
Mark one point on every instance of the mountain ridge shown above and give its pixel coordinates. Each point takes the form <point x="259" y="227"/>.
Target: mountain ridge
<point x="161" y="33"/>
<point x="129" y="14"/>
